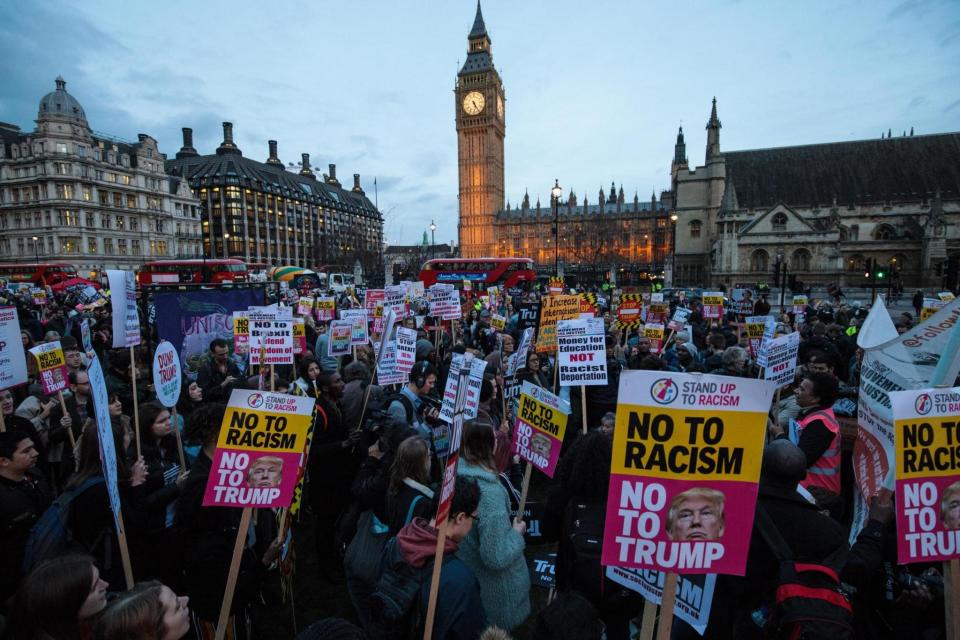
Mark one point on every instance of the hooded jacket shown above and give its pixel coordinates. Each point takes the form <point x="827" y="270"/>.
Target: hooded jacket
<point x="460" y="614"/>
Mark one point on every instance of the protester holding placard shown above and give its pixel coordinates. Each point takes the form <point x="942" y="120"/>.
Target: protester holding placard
<point x="219" y="375"/>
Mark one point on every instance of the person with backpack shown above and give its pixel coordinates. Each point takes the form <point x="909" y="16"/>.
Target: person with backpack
<point x="59" y="600"/>
<point x="90" y="519"/>
<point x="401" y="598"/>
<point x="405" y="406"/>
<point x="409" y="495"/>
<point x="24" y="496"/>
<point x="493" y="550"/>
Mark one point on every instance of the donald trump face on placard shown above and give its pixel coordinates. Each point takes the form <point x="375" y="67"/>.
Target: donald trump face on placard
<point x="950" y="507"/>
<point x="265" y="471"/>
<point x="696" y="514"/>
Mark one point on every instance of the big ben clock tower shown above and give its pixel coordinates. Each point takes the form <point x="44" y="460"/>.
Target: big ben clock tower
<point x="480" y="130"/>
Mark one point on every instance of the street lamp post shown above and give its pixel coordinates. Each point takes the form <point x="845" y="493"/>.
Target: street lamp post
<point x="433" y="239"/>
<point x="36" y="249"/>
<point x="226" y="245"/>
<point x="673" y="248"/>
<point x="555" y="193"/>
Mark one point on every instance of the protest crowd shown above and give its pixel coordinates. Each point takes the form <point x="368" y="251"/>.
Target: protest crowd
<point x="526" y="440"/>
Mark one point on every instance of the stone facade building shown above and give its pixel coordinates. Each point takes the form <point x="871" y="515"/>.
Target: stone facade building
<point x="70" y="195"/>
<point x="261" y="212"/>
<point x="823" y="209"/>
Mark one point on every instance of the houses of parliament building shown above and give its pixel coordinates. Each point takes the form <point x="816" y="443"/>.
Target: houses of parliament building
<point x="824" y="211"/>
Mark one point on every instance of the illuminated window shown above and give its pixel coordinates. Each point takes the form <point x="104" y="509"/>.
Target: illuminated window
<point x="91" y="245"/>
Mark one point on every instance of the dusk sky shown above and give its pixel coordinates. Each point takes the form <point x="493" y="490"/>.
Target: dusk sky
<point x="595" y="90"/>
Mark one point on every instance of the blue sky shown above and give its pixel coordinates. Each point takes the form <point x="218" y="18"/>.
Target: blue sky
<point x="595" y="90"/>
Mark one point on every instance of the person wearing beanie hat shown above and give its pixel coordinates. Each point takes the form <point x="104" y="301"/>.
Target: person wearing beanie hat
<point x="425" y="351"/>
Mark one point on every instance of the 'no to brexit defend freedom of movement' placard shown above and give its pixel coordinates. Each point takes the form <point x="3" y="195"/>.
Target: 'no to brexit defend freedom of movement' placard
<point x="683" y="479"/>
<point x="259" y="450"/>
<point x="927" y="454"/>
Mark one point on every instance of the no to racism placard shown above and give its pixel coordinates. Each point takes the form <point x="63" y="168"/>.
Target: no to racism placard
<point x="694" y="593"/>
<point x="241" y="332"/>
<point x="123" y="304"/>
<point x="166" y="374"/>
<point x="654" y="333"/>
<point x="305" y="306"/>
<point x="13" y="362"/>
<point x="683" y="479"/>
<point x="713" y="304"/>
<point x="541" y="423"/>
<point x="781" y="367"/>
<point x="326" y="308"/>
<point x="259" y="450"/>
<point x="759" y="329"/>
<point x="52" y="366"/>
<point x="927" y="473"/>
<point x="582" y="352"/>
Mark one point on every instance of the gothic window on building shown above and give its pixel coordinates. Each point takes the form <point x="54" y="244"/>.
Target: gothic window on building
<point x="801" y="260"/>
<point x="884" y="232"/>
<point x="759" y="261"/>
<point x="695" y="226"/>
<point x="779" y="222"/>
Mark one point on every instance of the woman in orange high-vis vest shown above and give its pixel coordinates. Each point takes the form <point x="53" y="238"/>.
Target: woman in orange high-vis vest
<point x="817" y="433"/>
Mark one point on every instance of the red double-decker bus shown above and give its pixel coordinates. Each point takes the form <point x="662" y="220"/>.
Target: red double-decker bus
<point x="42" y="274"/>
<point x="509" y="272"/>
<point x="215" y="271"/>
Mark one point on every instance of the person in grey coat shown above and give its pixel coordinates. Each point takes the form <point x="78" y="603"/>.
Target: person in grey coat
<point x="493" y="549"/>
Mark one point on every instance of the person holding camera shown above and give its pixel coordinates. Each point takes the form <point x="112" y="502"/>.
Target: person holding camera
<point x="410" y="406"/>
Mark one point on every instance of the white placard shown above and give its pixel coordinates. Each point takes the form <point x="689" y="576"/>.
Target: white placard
<point x="13" y="361"/>
<point x="582" y="352"/>
<point x="123" y="303"/>
<point x="166" y="374"/>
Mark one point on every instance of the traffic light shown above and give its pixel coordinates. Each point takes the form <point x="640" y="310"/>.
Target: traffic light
<point x="869" y="268"/>
<point x="881" y="274"/>
<point x="776" y="271"/>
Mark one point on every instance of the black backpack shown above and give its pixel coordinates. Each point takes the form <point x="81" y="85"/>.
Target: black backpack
<point x="585" y="523"/>
<point x="396" y="601"/>
<point x="52" y="536"/>
<point x="396" y="396"/>
<point x="809" y="602"/>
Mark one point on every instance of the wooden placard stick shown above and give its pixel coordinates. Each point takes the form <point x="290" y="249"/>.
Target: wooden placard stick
<point x="63" y="405"/>
<point x="3" y="424"/>
<point x="233" y="573"/>
<point x="666" y="607"/>
<point x="136" y="403"/>
<point x="583" y="407"/>
<point x="648" y="621"/>
<point x="176" y="431"/>
<point x="124" y="552"/>
<point x="524" y="488"/>
<point x="435" y="580"/>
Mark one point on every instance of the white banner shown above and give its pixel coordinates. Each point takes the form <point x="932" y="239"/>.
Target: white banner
<point x="447" y="410"/>
<point x="406" y="349"/>
<point x="123" y="303"/>
<point x="274" y="335"/>
<point x="582" y="352"/>
<point x="13" y="361"/>
<point x="782" y="359"/>
<point x="108" y="449"/>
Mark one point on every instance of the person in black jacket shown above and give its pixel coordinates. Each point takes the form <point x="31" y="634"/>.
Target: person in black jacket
<point x="208" y="534"/>
<point x="219" y="375"/>
<point x="332" y="466"/>
<point x="24" y="497"/>
<point x="164" y="479"/>
<point x="91" y="517"/>
<point x="409" y="495"/>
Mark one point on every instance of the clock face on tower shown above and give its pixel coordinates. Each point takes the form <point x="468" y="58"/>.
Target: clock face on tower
<point x="473" y="103"/>
<point x="500" y="106"/>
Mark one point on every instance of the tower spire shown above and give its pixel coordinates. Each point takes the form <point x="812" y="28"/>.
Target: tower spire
<point x="479" y="29"/>
<point x="713" y="134"/>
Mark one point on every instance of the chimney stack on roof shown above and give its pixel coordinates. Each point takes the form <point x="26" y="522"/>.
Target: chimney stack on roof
<point x="273" y="159"/>
<point x="356" y="184"/>
<point x="332" y="179"/>
<point x="187" y="149"/>
<point x="305" y="165"/>
<point x="227" y="146"/>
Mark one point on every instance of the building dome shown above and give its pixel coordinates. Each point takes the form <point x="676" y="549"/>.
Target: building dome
<point x="60" y="103"/>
